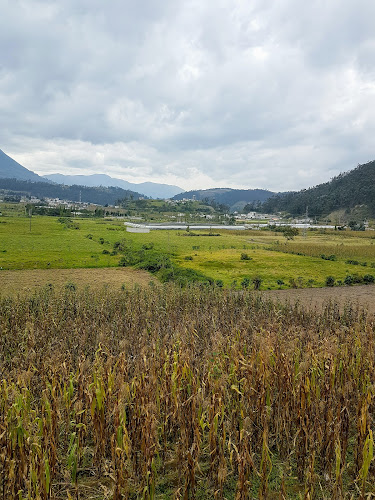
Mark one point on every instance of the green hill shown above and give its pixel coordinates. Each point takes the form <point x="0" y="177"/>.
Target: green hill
<point x="227" y="196"/>
<point x="344" y="192"/>
<point x="98" y="195"/>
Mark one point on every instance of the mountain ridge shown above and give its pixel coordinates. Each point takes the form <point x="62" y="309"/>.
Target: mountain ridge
<point x="150" y="189"/>
<point x="345" y="191"/>
<point x="236" y="199"/>
<point x="10" y="169"/>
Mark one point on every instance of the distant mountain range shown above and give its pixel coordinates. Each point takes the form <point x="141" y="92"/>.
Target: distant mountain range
<point x="150" y="189"/>
<point x="16" y="179"/>
<point x="236" y="199"/>
<point x="10" y="169"/>
<point x="347" y="191"/>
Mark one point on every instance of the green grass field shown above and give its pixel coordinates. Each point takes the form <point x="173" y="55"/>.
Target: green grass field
<point x="50" y="243"/>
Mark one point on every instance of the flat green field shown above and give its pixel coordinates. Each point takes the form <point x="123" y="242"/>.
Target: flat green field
<point x="231" y="256"/>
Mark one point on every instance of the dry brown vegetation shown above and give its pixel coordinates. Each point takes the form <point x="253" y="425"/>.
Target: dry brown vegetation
<point x="316" y="298"/>
<point x="27" y="281"/>
<point x="194" y="393"/>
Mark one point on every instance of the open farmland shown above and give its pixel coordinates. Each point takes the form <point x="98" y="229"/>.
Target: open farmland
<point x="230" y="257"/>
<point x="183" y="393"/>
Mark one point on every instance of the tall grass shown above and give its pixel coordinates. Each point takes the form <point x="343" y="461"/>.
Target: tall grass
<point x="194" y="393"/>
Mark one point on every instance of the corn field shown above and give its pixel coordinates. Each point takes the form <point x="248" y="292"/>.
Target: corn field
<point x="194" y="393"/>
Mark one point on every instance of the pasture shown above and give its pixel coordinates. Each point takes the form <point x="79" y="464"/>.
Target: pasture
<point x="229" y="257"/>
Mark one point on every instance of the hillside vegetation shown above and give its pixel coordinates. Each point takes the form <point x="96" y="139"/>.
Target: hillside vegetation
<point x="345" y="191"/>
<point x="227" y="196"/>
<point x="97" y="195"/>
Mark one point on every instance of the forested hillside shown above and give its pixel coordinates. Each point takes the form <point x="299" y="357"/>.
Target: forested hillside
<point x="345" y="191"/>
<point x="98" y="195"/>
<point x="227" y="196"/>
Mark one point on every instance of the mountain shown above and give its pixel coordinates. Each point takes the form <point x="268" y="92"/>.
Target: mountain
<point x="234" y="198"/>
<point x="10" y="169"/>
<point x="98" y="195"/>
<point x="344" y="192"/>
<point x="150" y="189"/>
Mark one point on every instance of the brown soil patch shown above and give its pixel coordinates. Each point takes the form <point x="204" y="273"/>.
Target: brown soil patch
<point x="19" y="282"/>
<point x="362" y="296"/>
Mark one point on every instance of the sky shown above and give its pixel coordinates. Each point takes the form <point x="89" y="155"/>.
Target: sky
<point x="277" y="95"/>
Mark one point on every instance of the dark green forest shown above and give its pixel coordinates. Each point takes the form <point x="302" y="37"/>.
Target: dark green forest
<point x="346" y="191"/>
<point x="226" y="196"/>
<point x="97" y="195"/>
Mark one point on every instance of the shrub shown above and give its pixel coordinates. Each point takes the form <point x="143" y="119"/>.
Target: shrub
<point x="188" y="257"/>
<point x="148" y="246"/>
<point x="257" y="281"/>
<point x="106" y="252"/>
<point x="245" y="256"/>
<point x="328" y="257"/>
<point x="330" y="281"/>
<point x="368" y="278"/>
<point x="245" y="283"/>
<point x="349" y="280"/>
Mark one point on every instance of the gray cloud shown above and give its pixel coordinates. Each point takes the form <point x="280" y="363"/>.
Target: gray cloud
<point x="250" y="94"/>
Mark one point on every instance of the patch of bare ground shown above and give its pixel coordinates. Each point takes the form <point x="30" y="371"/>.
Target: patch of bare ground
<point x="362" y="296"/>
<point x="26" y="281"/>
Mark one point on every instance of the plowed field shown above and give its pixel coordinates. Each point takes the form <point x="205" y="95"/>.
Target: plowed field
<point x="361" y="295"/>
<point x="14" y="282"/>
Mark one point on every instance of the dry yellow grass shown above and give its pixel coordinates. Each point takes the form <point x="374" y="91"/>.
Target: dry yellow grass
<point x="25" y="281"/>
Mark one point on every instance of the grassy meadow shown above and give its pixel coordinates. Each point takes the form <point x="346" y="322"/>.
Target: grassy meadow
<point x="229" y="257"/>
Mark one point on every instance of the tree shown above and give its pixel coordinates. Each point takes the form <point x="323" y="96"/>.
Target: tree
<point x="290" y="232"/>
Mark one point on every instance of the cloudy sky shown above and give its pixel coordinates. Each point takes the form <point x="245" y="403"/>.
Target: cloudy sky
<point x="276" y="94"/>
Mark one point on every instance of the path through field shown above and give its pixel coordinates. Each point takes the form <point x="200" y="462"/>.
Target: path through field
<point x="361" y="295"/>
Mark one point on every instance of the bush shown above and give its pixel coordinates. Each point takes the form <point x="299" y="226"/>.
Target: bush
<point x="106" y="252"/>
<point x="257" y="281"/>
<point x="188" y="257"/>
<point x="330" y="281"/>
<point x="357" y="278"/>
<point x="349" y="280"/>
<point x="148" y="246"/>
<point x="245" y="283"/>
<point x="328" y="257"/>
<point x="245" y="256"/>
<point x="368" y="278"/>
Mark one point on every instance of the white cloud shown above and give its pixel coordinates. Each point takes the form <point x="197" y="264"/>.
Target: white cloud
<point x="267" y="94"/>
